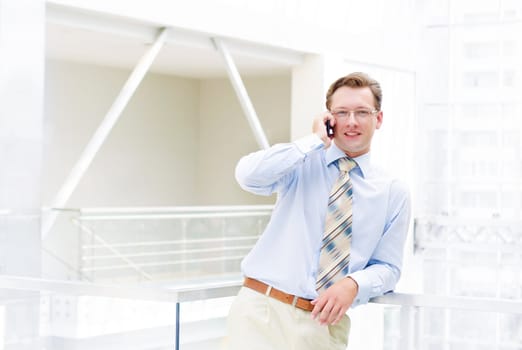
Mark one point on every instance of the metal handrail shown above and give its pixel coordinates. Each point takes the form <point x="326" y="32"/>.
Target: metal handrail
<point x="169" y="242"/>
<point x="167" y="253"/>
<point x="162" y="263"/>
<point x="204" y="215"/>
<point x="177" y="209"/>
<point x="181" y="292"/>
<point x="507" y="306"/>
<point x="211" y="288"/>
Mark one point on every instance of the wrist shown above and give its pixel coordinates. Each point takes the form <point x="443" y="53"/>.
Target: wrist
<point x="354" y="283"/>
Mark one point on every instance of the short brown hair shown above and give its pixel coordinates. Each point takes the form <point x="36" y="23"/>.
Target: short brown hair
<point x="356" y="80"/>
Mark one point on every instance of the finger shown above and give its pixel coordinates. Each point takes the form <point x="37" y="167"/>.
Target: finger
<point x="318" y="126"/>
<point x="342" y="312"/>
<point x="325" y="313"/>
<point x="335" y="314"/>
<point x="325" y="115"/>
<point x="331" y="119"/>
<point x="318" y="306"/>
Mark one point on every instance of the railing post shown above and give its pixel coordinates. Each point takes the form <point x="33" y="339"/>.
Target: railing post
<point x="407" y="328"/>
<point x="419" y="326"/>
<point x="177" y="325"/>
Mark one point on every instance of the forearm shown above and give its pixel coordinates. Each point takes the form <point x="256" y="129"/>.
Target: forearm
<point x="373" y="281"/>
<point x="383" y="269"/>
<point x="260" y="172"/>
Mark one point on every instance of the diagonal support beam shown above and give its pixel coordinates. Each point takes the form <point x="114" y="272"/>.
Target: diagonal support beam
<point x="100" y="135"/>
<point x="242" y="95"/>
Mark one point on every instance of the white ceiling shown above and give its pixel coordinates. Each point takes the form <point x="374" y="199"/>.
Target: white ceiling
<point x="112" y="41"/>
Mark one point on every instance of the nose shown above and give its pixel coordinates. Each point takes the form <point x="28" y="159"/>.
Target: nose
<point x="350" y="118"/>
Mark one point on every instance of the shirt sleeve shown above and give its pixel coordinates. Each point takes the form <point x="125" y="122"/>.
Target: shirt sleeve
<point x="384" y="267"/>
<point x="263" y="172"/>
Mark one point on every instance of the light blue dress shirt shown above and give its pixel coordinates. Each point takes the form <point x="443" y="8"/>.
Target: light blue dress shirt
<point x="286" y="256"/>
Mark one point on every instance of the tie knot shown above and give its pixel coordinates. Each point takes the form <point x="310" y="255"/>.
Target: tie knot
<point x="346" y="164"/>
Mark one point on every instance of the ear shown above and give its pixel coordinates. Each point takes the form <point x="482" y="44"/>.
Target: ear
<point x="379" y="120"/>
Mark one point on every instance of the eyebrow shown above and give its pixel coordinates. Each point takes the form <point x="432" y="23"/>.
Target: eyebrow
<point x="358" y="107"/>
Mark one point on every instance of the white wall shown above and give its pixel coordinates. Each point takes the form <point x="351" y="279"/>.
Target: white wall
<point x="225" y="135"/>
<point x="174" y="134"/>
<point x="361" y="29"/>
<point x="148" y="159"/>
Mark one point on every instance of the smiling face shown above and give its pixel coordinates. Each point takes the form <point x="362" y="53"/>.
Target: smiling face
<point x="354" y="135"/>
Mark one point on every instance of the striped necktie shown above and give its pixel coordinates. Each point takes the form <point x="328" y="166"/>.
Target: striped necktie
<point x="335" y="249"/>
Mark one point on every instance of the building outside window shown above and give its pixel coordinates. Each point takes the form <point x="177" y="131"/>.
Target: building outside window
<point x="471" y="185"/>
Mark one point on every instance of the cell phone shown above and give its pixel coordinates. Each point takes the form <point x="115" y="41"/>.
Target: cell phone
<point x="329" y="129"/>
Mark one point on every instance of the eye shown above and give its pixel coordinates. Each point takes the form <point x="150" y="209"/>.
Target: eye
<point x="341" y="114"/>
<point x="362" y="113"/>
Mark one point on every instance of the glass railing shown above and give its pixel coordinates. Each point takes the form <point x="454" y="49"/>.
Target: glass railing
<point x="423" y="322"/>
<point x="165" y="277"/>
<point x="83" y="314"/>
<point x="471" y="258"/>
<point x="61" y="314"/>
<point x="156" y="244"/>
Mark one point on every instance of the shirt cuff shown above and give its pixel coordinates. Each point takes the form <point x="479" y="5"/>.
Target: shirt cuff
<point x="365" y="286"/>
<point x="309" y="143"/>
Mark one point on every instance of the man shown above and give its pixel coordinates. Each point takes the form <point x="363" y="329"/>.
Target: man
<point x="282" y="305"/>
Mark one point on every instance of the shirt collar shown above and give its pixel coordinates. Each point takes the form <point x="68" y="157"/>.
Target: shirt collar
<point x="333" y="153"/>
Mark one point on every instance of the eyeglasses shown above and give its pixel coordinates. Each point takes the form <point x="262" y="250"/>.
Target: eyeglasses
<point x="358" y="113"/>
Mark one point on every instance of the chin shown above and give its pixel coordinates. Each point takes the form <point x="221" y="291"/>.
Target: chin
<point x="354" y="153"/>
<point x="347" y="150"/>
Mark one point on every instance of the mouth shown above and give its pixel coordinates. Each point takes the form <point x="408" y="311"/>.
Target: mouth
<point x="352" y="134"/>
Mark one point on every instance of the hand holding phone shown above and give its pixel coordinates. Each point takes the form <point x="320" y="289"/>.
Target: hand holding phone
<point x="329" y="129"/>
<point x="324" y="127"/>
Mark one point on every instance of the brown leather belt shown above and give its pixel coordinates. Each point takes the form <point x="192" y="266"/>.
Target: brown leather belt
<point x="264" y="288"/>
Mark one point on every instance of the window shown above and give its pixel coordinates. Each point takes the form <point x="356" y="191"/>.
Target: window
<point x="474" y="80"/>
<point x="478" y="50"/>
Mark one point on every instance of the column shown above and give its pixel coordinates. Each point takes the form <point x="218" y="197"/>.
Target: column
<point x="308" y="95"/>
<point x="22" y="32"/>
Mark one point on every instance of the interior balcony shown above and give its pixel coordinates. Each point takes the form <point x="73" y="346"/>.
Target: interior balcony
<point x="163" y="278"/>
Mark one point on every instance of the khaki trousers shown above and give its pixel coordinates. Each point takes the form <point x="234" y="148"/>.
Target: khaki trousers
<point x="257" y="321"/>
